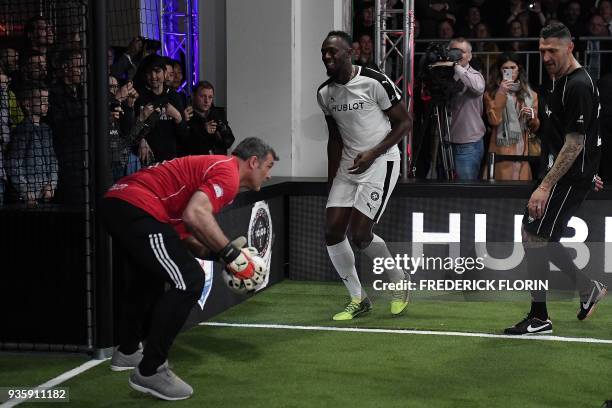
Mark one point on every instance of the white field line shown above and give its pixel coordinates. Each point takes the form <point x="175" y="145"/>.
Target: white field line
<point x="413" y="332"/>
<point x="55" y="381"/>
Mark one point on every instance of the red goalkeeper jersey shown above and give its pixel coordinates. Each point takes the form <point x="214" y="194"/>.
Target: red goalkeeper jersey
<point x="164" y="190"/>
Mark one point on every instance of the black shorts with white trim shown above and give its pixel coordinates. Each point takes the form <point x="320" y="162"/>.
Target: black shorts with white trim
<point x="563" y="202"/>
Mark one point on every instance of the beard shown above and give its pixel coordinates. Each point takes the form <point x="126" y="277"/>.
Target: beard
<point x="331" y="72"/>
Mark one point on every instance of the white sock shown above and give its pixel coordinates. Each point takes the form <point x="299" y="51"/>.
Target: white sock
<point x="343" y="259"/>
<point x="378" y="249"/>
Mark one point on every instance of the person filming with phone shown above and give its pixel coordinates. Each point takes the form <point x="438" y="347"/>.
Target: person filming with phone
<point x="511" y="107"/>
<point x="209" y="132"/>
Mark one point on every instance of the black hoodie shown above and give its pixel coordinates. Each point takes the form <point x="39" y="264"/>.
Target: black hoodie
<point x="163" y="134"/>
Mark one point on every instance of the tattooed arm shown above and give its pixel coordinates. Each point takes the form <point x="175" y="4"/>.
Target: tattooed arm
<point x="574" y="143"/>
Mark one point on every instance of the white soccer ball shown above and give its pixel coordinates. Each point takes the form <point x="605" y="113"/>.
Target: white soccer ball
<point x="245" y="286"/>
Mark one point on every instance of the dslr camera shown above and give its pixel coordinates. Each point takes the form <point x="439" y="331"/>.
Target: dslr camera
<point x="221" y="126"/>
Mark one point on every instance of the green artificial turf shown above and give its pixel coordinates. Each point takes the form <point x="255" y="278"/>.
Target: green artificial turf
<point x="309" y="303"/>
<point x="33" y="369"/>
<point x="254" y="367"/>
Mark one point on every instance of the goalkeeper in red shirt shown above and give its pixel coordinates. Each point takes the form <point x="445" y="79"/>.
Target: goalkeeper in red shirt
<point x="161" y="217"/>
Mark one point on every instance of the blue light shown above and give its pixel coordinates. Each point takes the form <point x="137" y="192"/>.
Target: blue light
<point x="180" y="36"/>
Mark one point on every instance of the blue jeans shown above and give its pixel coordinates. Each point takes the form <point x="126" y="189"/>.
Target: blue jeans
<point x="133" y="164"/>
<point x="468" y="158"/>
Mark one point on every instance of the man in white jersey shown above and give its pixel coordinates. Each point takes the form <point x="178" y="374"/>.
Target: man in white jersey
<point x="366" y="119"/>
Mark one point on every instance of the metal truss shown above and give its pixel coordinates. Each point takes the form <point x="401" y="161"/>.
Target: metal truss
<point x="179" y="35"/>
<point x="394" y="54"/>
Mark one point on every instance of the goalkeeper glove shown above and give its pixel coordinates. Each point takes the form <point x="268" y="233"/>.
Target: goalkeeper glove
<point x="238" y="262"/>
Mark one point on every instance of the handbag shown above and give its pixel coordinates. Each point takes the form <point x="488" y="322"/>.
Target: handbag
<point x="534" y="144"/>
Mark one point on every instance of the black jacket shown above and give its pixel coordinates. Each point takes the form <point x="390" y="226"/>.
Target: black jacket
<point x="164" y="136"/>
<point x="67" y="117"/>
<point x="202" y="142"/>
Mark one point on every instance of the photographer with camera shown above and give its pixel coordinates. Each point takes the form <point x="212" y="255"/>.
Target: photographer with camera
<point x="209" y="132"/>
<point x="467" y="127"/>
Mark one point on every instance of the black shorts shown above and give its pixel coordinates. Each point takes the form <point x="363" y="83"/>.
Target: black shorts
<point x="562" y="204"/>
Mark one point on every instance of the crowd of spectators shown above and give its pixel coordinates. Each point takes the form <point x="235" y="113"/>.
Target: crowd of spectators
<point x="445" y="19"/>
<point x="497" y="23"/>
<point x="154" y="116"/>
<point x="505" y="112"/>
<point x="44" y="115"/>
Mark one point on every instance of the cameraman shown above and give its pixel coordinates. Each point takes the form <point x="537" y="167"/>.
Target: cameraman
<point x="209" y="132"/>
<point x="467" y="127"/>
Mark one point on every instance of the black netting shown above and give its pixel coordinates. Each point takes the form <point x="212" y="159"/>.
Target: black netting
<point x="57" y="155"/>
<point x="43" y="102"/>
<point x="45" y="111"/>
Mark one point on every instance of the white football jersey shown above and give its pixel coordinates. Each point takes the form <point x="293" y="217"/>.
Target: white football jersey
<point x="358" y="108"/>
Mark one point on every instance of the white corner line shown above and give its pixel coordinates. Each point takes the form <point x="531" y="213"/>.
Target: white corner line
<point x="56" y="381"/>
<point x="405" y="331"/>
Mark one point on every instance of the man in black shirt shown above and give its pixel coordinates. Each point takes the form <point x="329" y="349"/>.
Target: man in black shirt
<point x="167" y="129"/>
<point x="572" y="133"/>
<point x="209" y="132"/>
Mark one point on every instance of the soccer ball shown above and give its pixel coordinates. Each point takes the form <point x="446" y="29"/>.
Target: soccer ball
<point x="245" y="286"/>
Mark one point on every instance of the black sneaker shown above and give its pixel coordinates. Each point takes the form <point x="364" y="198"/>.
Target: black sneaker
<point x="598" y="291"/>
<point x="530" y="325"/>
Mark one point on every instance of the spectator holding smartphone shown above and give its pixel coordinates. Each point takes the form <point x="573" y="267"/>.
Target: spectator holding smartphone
<point x="511" y="107"/>
<point x="209" y="132"/>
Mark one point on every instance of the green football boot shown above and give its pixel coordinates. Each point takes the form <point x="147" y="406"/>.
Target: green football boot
<point x="353" y="309"/>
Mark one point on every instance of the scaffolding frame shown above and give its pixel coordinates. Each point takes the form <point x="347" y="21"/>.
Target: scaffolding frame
<point x="178" y="32"/>
<point x="395" y="57"/>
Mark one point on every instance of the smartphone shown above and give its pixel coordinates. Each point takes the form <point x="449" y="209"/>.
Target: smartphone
<point x="507" y="73"/>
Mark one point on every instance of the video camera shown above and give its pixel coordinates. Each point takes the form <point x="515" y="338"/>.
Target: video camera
<point x="438" y="71"/>
<point x="438" y="52"/>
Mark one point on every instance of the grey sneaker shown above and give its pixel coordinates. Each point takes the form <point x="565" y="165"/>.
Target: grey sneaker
<point x="164" y="385"/>
<point x="123" y="362"/>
